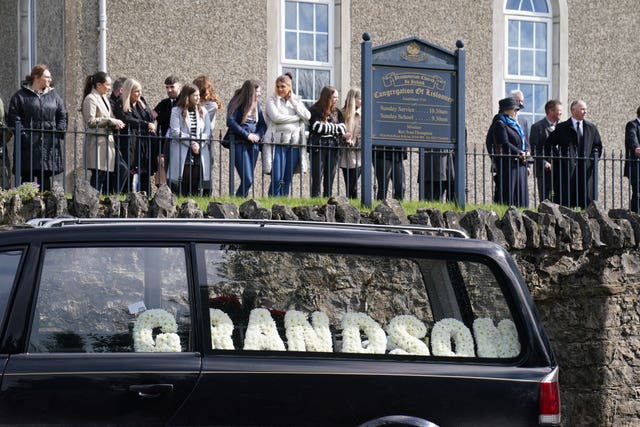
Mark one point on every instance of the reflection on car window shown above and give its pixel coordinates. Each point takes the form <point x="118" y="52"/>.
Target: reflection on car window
<point x="355" y="303"/>
<point x="96" y="299"/>
<point x="9" y="261"/>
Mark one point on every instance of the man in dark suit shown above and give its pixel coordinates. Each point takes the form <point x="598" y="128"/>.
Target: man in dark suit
<point x="540" y="131"/>
<point x="162" y="114"/>
<point x="437" y="172"/>
<point x="576" y="142"/>
<point x="632" y="163"/>
<point x="116" y="92"/>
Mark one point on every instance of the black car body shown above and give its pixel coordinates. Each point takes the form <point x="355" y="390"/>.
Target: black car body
<point x="209" y="323"/>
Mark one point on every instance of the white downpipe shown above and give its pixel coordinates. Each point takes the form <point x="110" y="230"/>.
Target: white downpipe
<point x="102" y="35"/>
<point x="26" y="38"/>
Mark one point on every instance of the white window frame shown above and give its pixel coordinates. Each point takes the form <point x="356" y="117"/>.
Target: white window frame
<point x="306" y="64"/>
<point x="535" y="17"/>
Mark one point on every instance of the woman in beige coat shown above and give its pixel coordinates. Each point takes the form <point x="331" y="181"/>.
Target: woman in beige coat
<point x="102" y="156"/>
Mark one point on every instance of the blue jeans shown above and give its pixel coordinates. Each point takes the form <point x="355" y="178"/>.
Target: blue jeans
<point x="285" y="160"/>
<point x="245" y="162"/>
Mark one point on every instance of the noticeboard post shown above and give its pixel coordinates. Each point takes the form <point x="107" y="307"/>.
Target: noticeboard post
<point x="413" y="95"/>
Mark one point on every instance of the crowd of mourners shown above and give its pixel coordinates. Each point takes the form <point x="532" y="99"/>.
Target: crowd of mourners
<point x="130" y="146"/>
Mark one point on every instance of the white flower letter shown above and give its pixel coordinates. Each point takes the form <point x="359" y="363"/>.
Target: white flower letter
<point x="352" y="324"/>
<point x="501" y="341"/>
<point x="302" y="337"/>
<point x="406" y="333"/>
<point x="487" y="337"/>
<point x="262" y="333"/>
<point x="221" y="330"/>
<point x="509" y="342"/>
<point x="167" y="341"/>
<point x="451" y="329"/>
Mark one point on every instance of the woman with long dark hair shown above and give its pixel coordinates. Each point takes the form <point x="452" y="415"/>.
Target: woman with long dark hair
<point x="247" y="127"/>
<point x="190" y="133"/>
<point x="325" y="136"/>
<point x="109" y="172"/>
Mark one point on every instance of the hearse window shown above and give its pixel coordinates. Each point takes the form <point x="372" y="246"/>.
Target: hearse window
<point x="112" y="299"/>
<point x="354" y="303"/>
<point x="9" y="262"/>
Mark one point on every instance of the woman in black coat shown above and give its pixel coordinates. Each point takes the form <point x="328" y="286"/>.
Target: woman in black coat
<point x="143" y="145"/>
<point x="510" y="154"/>
<point x="43" y="118"/>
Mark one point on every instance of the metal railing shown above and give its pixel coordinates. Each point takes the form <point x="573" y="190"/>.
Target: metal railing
<point x="43" y="155"/>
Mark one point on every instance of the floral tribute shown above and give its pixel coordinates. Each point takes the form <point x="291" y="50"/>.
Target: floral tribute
<point x="352" y="324"/>
<point x="221" y="330"/>
<point x="166" y="341"/>
<point x="302" y="336"/>
<point x="262" y="333"/>
<point x="406" y="334"/>
<point x="492" y="341"/>
<point x="447" y="330"/>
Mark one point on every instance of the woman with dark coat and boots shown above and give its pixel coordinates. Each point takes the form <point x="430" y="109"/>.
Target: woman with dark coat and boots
<point x="43" y="118"/>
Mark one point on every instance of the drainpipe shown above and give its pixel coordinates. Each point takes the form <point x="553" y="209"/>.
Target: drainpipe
<point x="102" y="35"/>
<point x="27" y="38"/>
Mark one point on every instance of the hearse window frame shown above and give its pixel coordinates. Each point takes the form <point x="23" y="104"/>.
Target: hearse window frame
<point x="9" y="303"/>
<point x="524" y="333"/>
<point x="195" y="334"/>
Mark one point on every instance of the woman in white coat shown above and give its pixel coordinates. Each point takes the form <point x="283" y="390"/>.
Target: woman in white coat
<point x="190" y="151"/>
<point x="284" y="142"/>
<point x="109" y="173"/>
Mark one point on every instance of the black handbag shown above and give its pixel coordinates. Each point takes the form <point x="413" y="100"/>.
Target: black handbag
<point x="226" y="140"/>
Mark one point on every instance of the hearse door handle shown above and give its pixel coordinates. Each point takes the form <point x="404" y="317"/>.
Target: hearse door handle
<point x="151" y="391"/>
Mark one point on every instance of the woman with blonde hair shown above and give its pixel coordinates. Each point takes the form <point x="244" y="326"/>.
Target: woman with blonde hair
<point x="142" y="147"/>
<point x="190" y="133"/>
<point x="351" y="155"/>
<point x="284" y="143"/>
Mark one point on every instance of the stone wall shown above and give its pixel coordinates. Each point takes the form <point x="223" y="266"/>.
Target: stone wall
<point x="583" y="270"/>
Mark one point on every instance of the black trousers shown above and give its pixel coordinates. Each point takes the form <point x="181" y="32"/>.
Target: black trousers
<point x="389" y="169"/>
<point x="351" y="176"/>
<point x="324" y="162"/>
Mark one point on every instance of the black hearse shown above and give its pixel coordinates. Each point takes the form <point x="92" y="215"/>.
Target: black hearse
<point x="247" y="323"/>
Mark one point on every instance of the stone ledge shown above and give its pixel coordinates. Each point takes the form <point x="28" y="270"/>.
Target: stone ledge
<point x="551" y="227"/>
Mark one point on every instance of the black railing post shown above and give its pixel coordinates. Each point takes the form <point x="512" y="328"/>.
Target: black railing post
<point x="595" y="174"/>
<point x="17" y="150"/>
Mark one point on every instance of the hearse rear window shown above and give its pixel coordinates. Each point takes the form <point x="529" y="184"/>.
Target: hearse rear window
<point x="287" y="301"/>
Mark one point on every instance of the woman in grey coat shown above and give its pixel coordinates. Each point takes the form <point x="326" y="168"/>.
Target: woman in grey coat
<point x="190" y="133"/>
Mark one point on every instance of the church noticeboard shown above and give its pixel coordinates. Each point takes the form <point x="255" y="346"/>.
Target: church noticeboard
<point x="413" y="104"/>
<point x="413" y="100"/>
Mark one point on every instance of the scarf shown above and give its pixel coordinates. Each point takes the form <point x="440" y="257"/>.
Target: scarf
<point x="514" y="124"/>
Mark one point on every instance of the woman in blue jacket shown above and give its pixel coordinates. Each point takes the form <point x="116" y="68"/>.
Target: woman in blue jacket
<point x="247" y="128"/>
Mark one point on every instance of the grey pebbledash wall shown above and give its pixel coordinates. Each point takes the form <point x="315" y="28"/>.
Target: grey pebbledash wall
<point x="583" y="270"/>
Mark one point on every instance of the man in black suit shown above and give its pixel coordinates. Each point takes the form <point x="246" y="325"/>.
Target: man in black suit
<point x="540" y="131"/>
<point x="116" y="92"/>
<point x="162" y="114"/>
<point x="632" y="163"/>
<point x="576" y="142"/>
